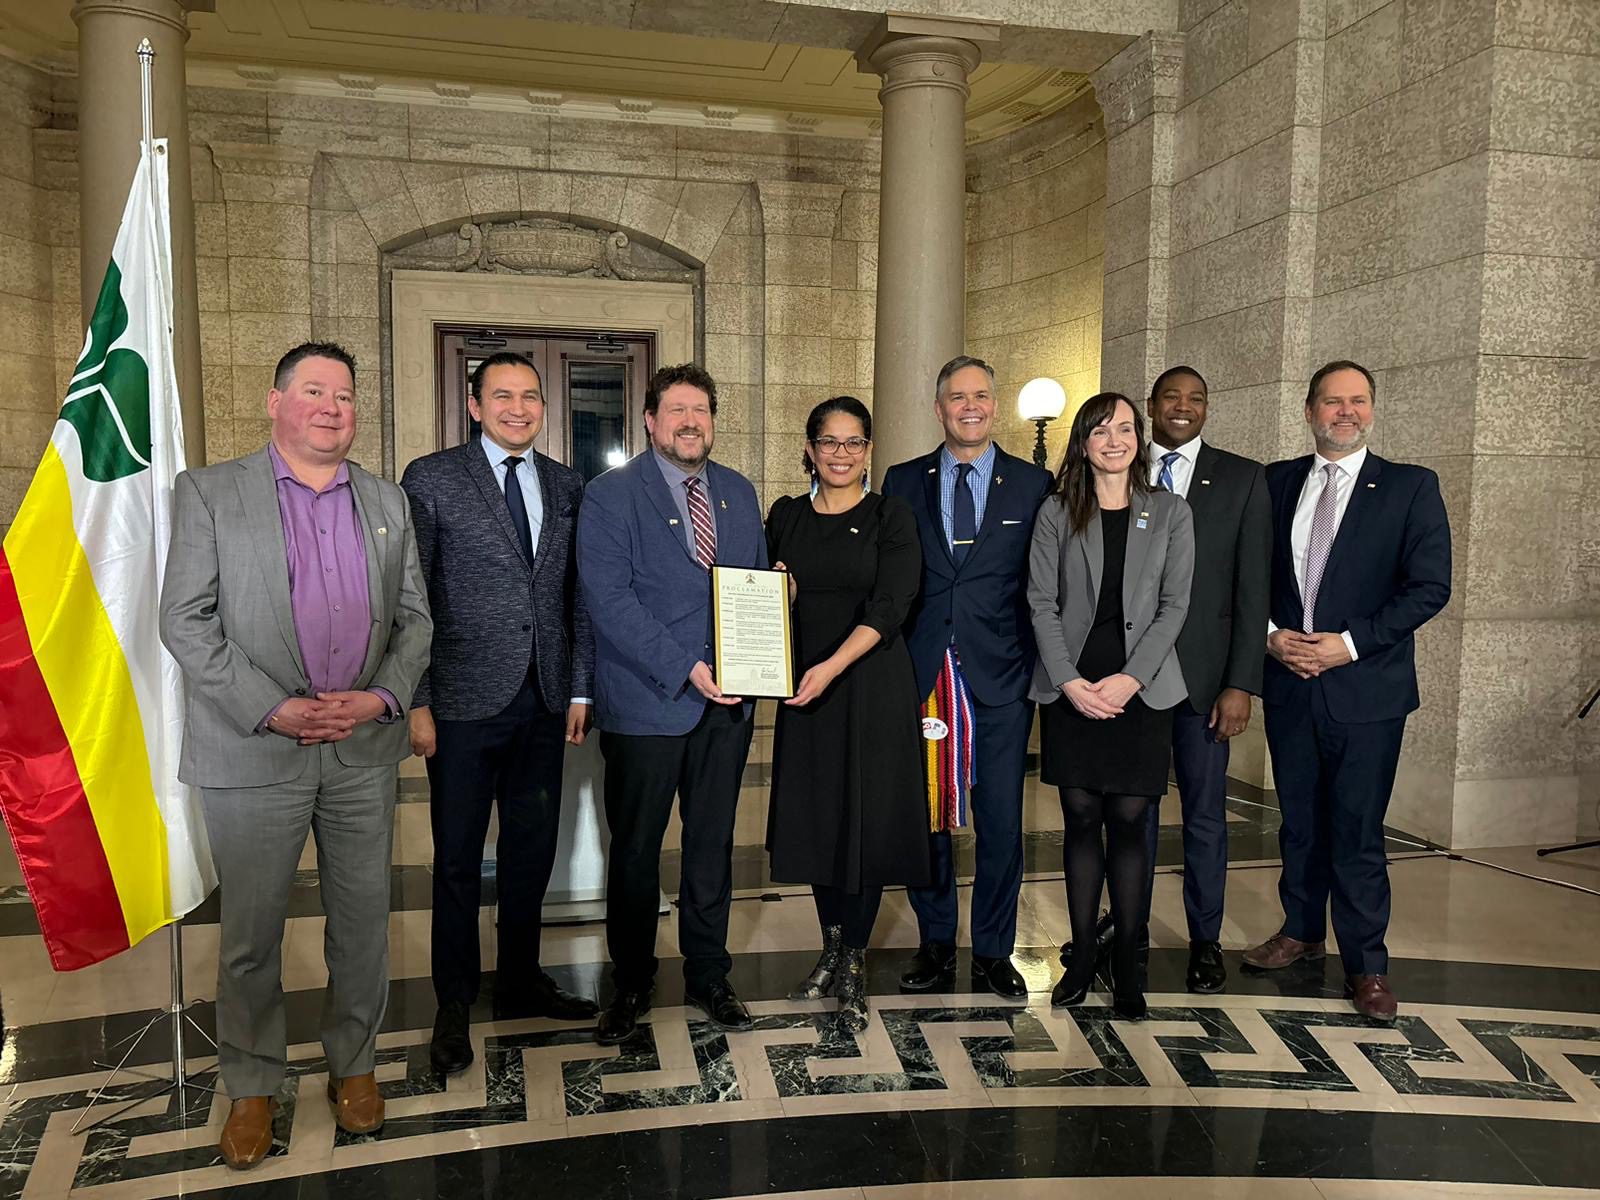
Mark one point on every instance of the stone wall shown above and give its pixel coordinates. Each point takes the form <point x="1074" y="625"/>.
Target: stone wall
<point x="1035" y="212"/>
<point x="38" y="264"/>
<point x="1412" y="184"/>
<point x="299" y="200"/>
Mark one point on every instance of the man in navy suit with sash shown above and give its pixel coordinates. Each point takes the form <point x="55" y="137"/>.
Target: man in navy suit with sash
<point x="648" y="535"/>
<point x="507" y="688"/>
<point x="975" y="506"/>
<point x="1360" y="560"/>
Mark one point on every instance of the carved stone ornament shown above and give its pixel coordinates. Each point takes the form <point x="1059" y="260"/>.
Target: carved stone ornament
<point x="541" y="246"/>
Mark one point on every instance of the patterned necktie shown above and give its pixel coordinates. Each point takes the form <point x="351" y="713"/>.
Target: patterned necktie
<point x="1321" y="541"/>
<point x="519" y="508"/>
<point x="705" y="531"/>
<point x="1164" y="480"/>
<point x="964" y="515"/>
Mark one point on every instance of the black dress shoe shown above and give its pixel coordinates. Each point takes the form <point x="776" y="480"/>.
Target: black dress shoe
<point x="538" y="996"/>
<point x="1129" y="1005"/>
<point x="722" y="1005"/>
<point x="1105" y="929"/>
<point x="1207" y="972"/>
<point x="1000" y="976"/>
<point x="933" y="963"/>
<point x="621" y="1017"/>
<point x="451" y="1048"/>
<point x="1066" y="994"/>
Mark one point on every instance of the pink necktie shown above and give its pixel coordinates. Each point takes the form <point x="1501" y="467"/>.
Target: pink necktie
<point x="1322" y="529"/>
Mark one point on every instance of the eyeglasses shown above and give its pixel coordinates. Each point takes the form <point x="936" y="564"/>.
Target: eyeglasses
<point x="855" y="447"/>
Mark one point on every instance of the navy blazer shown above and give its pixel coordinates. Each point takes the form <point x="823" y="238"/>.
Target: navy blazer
<point x="648" y="598"/>
<point x="1387" y="573"/>
<point x="984" y="602"/>
<point x="490" y="609"/>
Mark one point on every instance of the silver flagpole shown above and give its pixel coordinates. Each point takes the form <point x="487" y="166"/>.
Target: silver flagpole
<point x="177" y="1009"/>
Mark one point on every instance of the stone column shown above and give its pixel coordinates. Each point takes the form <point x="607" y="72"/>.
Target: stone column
<point x="109" y="32"/>
<point x="1138" y="92"/>
<point x="921" y="304"/>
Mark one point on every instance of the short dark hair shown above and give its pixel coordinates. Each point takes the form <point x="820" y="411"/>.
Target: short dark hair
<point x="849" y="406"/>
<point x="284" y="371"/>
<point x="1161" y="379"/>
<point x="1340" y="364"/>
<point x="504" y="358"/>
<point x="691" y="373"/>
<point x="958" y="363"/>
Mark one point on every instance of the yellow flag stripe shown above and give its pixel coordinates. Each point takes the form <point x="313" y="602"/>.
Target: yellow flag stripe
<point x="83" y="666"/>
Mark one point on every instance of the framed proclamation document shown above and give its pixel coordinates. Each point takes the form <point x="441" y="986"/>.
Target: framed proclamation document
<point x="750" y="631"/>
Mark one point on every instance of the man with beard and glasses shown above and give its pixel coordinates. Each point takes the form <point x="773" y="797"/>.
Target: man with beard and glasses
<point x="649" y="532"/>
<point x="1360" y="560"/>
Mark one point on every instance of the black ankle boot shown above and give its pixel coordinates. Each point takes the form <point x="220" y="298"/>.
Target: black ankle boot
<point x="851" y="989"/>
<point x="823" y="976"/>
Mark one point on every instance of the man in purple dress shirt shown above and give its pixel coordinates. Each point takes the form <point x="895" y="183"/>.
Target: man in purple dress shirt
<point x="294" y="604"/>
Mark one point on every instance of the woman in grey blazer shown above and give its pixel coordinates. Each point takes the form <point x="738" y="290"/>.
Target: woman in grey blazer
<point x="1108" y="585"/>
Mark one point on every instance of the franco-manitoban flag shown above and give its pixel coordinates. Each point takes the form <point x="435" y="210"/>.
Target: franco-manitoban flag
<point x="91" y="705"/>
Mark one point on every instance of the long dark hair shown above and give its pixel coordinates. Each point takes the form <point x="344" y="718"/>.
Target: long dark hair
<point x="849" y="406"/>
<point x="1074" y="486"/>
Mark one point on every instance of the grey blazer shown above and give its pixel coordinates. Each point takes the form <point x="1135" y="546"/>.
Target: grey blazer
<point x="225" y="618"/>
<point x="1064" y="590"/>
<point x="490" y="610"/>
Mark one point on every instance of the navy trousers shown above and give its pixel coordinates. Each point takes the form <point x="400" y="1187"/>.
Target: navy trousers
<point x="1201" y="764"/>
<point x="1334" y="780"/>
<point x="1000" y="753"/>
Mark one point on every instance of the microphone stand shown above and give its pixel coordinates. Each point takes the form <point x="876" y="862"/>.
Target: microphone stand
<point x="1592" y="842"/>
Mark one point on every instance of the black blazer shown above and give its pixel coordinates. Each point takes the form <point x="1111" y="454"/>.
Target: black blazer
<point x="1225" y="636"/>
<point x="489" y="608"/>
<point x="1387" y="573"/>
<point x="985" y="602"/>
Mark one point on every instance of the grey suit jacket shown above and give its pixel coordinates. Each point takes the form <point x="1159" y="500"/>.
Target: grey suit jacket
<point x="225" y="618"/>
<point x="1064" y="590"/>
<point x="490" y="611"/>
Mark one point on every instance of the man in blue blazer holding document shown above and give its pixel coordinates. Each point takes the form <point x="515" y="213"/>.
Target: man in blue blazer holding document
<point x="649" y="532"/>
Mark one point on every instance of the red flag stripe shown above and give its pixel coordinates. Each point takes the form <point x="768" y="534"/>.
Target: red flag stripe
<point x="43" y="800"/>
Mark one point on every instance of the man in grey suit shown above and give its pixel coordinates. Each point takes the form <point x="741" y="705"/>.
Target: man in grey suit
<point x="508" y="686"/>
<point x="294" y="605"/>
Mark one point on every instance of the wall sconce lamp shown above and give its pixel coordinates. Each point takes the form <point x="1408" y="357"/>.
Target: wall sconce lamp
<point x="1041" y="401"/>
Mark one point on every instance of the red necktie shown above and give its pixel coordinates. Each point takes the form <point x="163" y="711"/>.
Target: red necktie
<point x="705" y="531"/>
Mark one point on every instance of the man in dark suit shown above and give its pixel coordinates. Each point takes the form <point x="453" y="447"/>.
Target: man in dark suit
<point x="1360" y="560"/>
<point x="507" y="687"/>
<point x="648" y="536"/>
<point x="1220" y="647"/>
<point x="975" y="505"/>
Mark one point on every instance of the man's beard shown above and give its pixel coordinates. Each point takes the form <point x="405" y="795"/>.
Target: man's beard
<point x="670" y="453"/>
<point x="1326" y="438"/>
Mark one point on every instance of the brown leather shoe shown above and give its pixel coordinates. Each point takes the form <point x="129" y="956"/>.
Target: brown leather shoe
<point x="247" y="1136"/>
<point x="356" y="1103"/>
<point x="1279" y="950"/>
<point x="1371" y="996"/>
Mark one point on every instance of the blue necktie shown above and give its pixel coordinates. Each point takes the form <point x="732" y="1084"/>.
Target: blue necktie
<point x="964" y="518"/>
<point x="519" y="508"/>
<point x="1164" y="480"/>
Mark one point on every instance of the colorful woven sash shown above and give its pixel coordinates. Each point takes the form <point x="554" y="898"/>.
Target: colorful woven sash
<point x="947" y="722"/>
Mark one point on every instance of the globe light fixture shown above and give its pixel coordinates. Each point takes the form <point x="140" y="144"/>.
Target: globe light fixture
<point x="1041" y="401"/>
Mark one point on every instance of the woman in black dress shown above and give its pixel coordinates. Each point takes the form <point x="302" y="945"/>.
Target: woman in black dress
<point x="848" y="813"/>
<point x="1108" y="585"/>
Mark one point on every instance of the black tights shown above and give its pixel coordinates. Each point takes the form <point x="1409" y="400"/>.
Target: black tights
<point x="1123" y="861"/>
<point x="856" y="911"/>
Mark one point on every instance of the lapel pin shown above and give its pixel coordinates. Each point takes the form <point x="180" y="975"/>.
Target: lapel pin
<point x="853" y="529"/>
<point x="383" y="529"/>
<point x="1207" y="482"/>
<point x="999" y="478"/>
<point x="724" y="506"/>
<point x="672" y="520"/>
<point x="1372" y="485"/>
<point x="933" y="470"/>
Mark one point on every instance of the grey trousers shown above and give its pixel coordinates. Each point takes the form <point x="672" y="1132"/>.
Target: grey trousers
<point x="257" y="835"/>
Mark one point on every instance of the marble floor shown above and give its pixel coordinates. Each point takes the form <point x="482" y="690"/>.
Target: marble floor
<point x="1487" y="1086"/>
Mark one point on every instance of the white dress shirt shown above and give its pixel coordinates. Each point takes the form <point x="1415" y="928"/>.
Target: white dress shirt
<point x="1349" y="469"/>
<point x="1182" y="467"/>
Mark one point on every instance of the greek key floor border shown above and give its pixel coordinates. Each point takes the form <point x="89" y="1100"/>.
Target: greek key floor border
<point x="538" y="1080"/>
